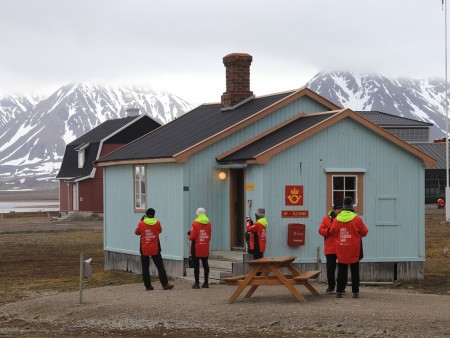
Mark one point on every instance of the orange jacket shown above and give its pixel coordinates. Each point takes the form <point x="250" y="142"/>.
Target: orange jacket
<point x="349" y="229"/>
<point x="200" y="235"/>
<point x="259" y="227"/>
<point x="149" y="230"/>
<point x="324" y="230"/>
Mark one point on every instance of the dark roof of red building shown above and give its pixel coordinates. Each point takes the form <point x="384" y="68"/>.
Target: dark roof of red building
<point x="116" y="131"/>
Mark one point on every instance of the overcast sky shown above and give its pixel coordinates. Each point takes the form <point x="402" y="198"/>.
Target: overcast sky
<point x="178" y="45"/>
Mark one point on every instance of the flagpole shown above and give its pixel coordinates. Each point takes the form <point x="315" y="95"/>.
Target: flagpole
<point x="447" y="187"/>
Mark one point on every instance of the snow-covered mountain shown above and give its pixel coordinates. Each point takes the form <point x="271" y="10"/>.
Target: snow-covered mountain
<point x="34" y="130"/>
<point x="34" y="133"/>
<point x="422" y="100"/>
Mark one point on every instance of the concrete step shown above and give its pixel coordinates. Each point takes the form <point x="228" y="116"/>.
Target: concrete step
<point x="220" y="264"/>
<point x="227" y="255"/>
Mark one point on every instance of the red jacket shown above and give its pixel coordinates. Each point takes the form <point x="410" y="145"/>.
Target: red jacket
<point x="349" y="228"/>
<point x="259" y="227"/>
<point x="149" y="229"/>
<point x="200" y="236"/>
<point x="324" y="230"/>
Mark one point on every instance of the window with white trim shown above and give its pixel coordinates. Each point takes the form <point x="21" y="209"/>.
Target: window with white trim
<point x="342" y="184"/>
<point x="139" y="188"/>
<point x="81" y="158"/>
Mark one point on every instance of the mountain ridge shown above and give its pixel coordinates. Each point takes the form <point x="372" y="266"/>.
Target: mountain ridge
<point x="33" y="140"/>
<point x="34" y="130"/>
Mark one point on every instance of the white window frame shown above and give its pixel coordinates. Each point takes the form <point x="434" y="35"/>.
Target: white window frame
<point x="140" y="187"/>
<point x="81" y="154"/>
<point x="345" y="192"/>
<point x="358" y="202"/>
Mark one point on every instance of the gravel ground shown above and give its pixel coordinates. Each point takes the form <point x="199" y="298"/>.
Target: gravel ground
<point x="128" y="310"/>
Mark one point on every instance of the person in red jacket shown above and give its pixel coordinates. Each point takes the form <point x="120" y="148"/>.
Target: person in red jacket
<point x="258" y="233"/>
<point x="149" y="229"/>
<point x="349" y="229"/>
<point x="200" y="235"/>
<point x="330" y="245"/>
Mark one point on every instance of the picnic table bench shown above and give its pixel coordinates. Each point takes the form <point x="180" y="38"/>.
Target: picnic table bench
<point x="259" y="275"/>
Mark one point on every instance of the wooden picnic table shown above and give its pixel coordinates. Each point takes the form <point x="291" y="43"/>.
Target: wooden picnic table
<point x="259" y="275"/>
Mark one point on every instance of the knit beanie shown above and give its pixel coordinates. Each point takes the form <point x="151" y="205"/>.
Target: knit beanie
<point x="150" y="212"/>
<point x="200" y="211"/>
<point x="260" y="213"/>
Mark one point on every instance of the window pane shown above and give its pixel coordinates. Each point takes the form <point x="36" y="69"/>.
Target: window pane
<point x="350" y="183"/>
<point x="338" y="196"/>
<point x="338" y="183"/>
<point x="352" y="195"/>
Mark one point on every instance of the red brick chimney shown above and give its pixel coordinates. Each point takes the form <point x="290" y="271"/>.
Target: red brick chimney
<point x="238" y="79"/>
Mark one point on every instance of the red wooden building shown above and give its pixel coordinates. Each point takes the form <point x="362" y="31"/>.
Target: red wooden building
<point x="80" y="184"/>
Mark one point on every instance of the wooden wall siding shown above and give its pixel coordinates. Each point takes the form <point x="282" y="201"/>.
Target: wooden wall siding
<point x="64" y="199"/>
<point x="132" y="263"/>
<point x="410" y="271"/>
<point x="206" y="190"/>
<point x="369" y="272"/>
<point x="390" y="172"/>
<point x="165" y="195"/>
<point x="120" y="220"/>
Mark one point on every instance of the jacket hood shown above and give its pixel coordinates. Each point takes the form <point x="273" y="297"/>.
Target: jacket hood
<point x="263" y="221"/>
<point x="150" y="220"/>
<point x="346" y="216"/>
<point x="202" y="219"/>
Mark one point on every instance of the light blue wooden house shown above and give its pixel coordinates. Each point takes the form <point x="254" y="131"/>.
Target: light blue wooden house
<point x="292" y="153"/>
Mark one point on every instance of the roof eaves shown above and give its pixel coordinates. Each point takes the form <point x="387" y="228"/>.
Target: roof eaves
<point x="134" y="161"/>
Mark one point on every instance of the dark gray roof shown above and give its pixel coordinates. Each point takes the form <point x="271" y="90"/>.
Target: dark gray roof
<point x="191" y="128"/>
<point x="435" y="150"/>
<point x="109" y="127"/>
<point x="276" y="137"/>
<point x="109" y="132"/>
<point x="387" y="120"/>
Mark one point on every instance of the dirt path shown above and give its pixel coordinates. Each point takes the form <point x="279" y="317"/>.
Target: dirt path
<point x="128" y="310"/>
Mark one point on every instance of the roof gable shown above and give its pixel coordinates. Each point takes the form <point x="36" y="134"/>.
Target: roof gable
<point x="117" y="131"/>
<point x="261" y="148"/>
<point x="201" y="127"/>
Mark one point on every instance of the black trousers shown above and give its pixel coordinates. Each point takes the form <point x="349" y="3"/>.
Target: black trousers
<point x="343" y="277"/>
<point x="196" y="261"/>
<point x="331" y="270"/>
<point x="257" y="255"/>
<point x="157" y="259"/>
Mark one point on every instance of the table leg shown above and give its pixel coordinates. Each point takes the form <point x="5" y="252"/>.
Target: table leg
<point x="311" y="289"/>
<point x="254" y="287"/>
<point x="286" y="283"/>
<point x="241" y="288"/>
<point x="292" y="269"/>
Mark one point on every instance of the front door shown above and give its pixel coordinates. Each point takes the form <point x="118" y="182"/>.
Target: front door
<point x="237" y="209"/>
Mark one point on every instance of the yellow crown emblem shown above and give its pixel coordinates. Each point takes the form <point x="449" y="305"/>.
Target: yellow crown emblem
<point x="295" y="191"/>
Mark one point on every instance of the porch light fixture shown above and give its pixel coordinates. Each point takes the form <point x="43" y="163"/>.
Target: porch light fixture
<point x="222" y="175"/>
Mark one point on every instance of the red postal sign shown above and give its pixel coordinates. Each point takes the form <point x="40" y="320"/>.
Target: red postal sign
<point x="293" y="195"/>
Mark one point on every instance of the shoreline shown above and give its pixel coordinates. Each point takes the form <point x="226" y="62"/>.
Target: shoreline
<point x="32" y="195"/>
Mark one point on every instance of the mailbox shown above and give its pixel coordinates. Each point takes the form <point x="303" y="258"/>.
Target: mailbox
<point x="296" y="234"/>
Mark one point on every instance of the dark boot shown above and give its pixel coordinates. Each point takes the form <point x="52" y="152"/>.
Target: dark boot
<point x="206" y="284"/>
